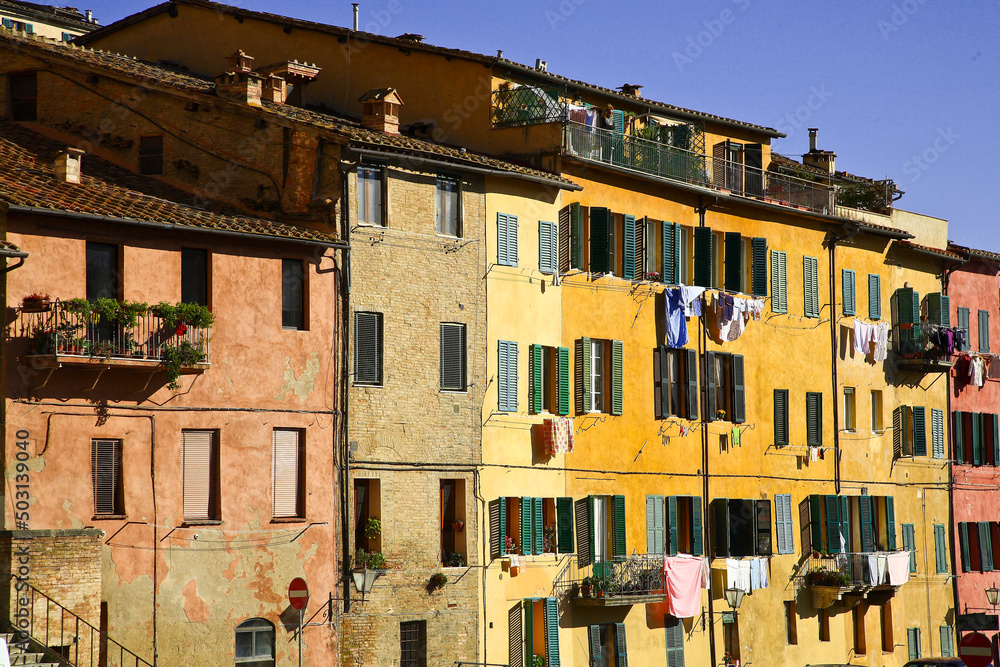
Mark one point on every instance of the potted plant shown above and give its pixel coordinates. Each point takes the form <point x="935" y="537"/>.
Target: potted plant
<point x="458" y="526"/>
<point x="369" y="560"/>
<point x="174" y="357"/>
<point x="454" y="560"/>
<point x="438" y="580"/>
<point x="574" y="589"/>
<point x="537" y="661"/>
<point x="42" y="340"/>
<point x="587" y="587"/>
<point x="373" y="528"/>
<point x="549" y="539"/>
<point x="599" y="585"/>
<point x="825" y="586"/>
<point x="510" y="546"/>
<point x="36" y="303"/>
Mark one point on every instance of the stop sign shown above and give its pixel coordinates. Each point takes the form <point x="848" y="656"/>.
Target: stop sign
<point x="298" y="595"/>
<point x="975" y="650"/>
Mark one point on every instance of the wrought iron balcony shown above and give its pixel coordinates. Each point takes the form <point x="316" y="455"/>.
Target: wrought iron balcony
<point x="831" y="576"/>
<point x="527" y="105"/>
<point x="921" y="347"/>
<point x="619" y="581"/>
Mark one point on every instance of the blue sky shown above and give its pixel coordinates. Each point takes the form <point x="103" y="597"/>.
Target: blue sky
<point x="905" y="88"/>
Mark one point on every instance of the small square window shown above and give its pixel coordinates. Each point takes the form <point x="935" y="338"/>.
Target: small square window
<point x="448" y="207"/>
<point x="24" y="97"/>
<point x="452" y="357"/>
<point x="371" y="182"/>
<point x="106" y="473"/>
<point x="368" y="348"/>
<point x="151" y="155"/>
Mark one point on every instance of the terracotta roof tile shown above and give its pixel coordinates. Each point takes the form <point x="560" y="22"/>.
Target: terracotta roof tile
<point x="27" y="178"/>
<point x="928" y="250"/>
<point x="69" y="15"/>
<point x="975" y="253"/>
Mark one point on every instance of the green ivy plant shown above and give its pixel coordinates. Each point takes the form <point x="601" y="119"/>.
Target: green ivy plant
<point x="191" y="314"/>
<point x="373" y="527"/>
<point x="175" y="357"/>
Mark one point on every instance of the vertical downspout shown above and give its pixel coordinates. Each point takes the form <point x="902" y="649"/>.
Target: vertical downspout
<point x="953" y="548"/>
<point x="156" y="537"/>
<point x="345" y="448"/>
<point x="833" y="364"/>
<point x="704" y="444"/>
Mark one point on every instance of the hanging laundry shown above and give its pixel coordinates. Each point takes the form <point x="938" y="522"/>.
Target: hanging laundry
<point x="683" y="582"/>
<point x="960" y="338"/>
<point x="735" y="436"/>
<point x="577" y="114"/>
<point x="898" y="567"/>
<point x="677" y="333"/>
<point x="814" y="453"/>
<point x="862" y="337"/>
<point x="765" y="578"/>
<point x="738" y="574"/>
<point x="881" y="342"/>
<point x="706" y="574"/>
<point x="977" y="371"/>
<point x="558" y="435"/>
<point x="690" y="299"/>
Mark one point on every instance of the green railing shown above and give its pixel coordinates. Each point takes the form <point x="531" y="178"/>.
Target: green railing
<point x="526" y="105"/>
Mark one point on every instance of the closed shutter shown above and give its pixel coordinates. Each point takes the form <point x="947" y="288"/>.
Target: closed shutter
<point x="503" y="240"/>
<point x="957" y="437"/>
<point x="583" y="375"/>
<point x="890" y="523"/>
<point x="564" y="524"/>
<point x="765" y="542"/>
<point x="703" y="260"/>
<point x="947" y="642"/>
<point x="977" y="439"/>
<point x="106" y="474"/>
<point x="781" y="417"/>
<point x="691" y="378"/>
<point x="992" y="427"/>
<point x="671" y="248"/>
<point x="368" y="348"/>
<point x="576" y="231"/>
<point x="584" y="540"/>
<point x="515" y="636"/>
<point x="907" y="306"/>
<point x="7" y="23"/>
<point x="287" y="473"/>
<point x="874" y="297"/>
<point x="937" y="433"/>
<point x="594" y="640"/>
<point x="913" y="642"/>
<point x="847" y="281"/>
<point x="619" y="527"/>
<point x="551" y="632"/>
<point x="940" y="550"/>
<point x="710" y="414"/>
<point x="654" y="525"/>
<point x="616" y="377"/>
<point x="507" y="376"/>
<point x="600" y="240"/>
<point x="938" y="309"/>
<point x="910" y="545"/>
<point x="526" y="542"/>
<point x="985" y="547"/>
<point x="199" y="482"/>
<point x="630" y="254"/>
<point x="621" y="648"/>
<point x="814" y="419"/>
<point x="537" y="537"/>
<point x="720" y="527"/>
<point x="673" y="525"/>
<point x="548" y="247"/>
<point x="697" y="541"/>
<point x="675" y="641"/>
<point x="984" y="331"/>
<point x="963" y="324"/>
<point x="833" y="525"/>
<point x="919" y="431"/>
<point x="563" y="381"/>
<point x="661" y="382"/>
<point x="810" y="282"/>
<point x="779" y="282"/>
<point x="963" y="538"/>
<point x="783" y="523"/>
<point x="737" y="387"/>
<point x="536" y="354"/>
<point x="867" y="524"/>
<point x="734" y="262"/>
<point x="565" y="234"/>
<point x="758" y="262"/>
<point x="452" y="357"/>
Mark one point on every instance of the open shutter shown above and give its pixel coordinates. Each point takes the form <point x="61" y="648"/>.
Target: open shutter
<point x="552" y="632"/>
<point x="957" y="437"/>
<point x="563" y="381"/>
<point x="619" y="528"/>
<point x="992" y="427"/>
<point x="515" y="636"/>
<point x="909" y="544"/>
<point x="814" y="419"/>
<point x="661" y="377"/>
<point x="498" y="527"/>
<point x="286" y="473"/>
<point x="984" y="331"/>
<point x="512" y="240"/>
<point x="536" y="352"/>
<point x="670" y="243"/>
<point x="815" y="525"/>
<point x="197" y="473"/>
<point x="937" y="433"/>
<point x="810" y="284"/>
<point x="963" y="324"/>
<point x="783" y="523"/>
<point x="963" y="538"/>
<point x="905" y="311"/>
<point x="847" y="282"/>
<point x="547" y="247"/>
<point x="616" y="377"/>
<point x="675" y="641"/>
<point x="564" y="524"/>
<point x="900" y="433"/>
<point x="919" y="431"/>
<point x="845" y="524"/>
<point x="565" y="234"/>
<point x="947" y="642"/>
<point x="621" y="648"/>
<point x="691" y="377"/>
<point x="985" y="547"/>
<point x="940" y="553"/>
<point x="738" y="397"/>
<point x="630" y="255"/>
<point x="890" y="523"/>
<point x="600" y="236"/>
<point x="867" y="526"/>
<point x="977" y="439"/>
<point x="7" y="23"/>
<point x="584" y="538"/>
<point x="594" y="639"/>
<point x="654" y="525"/>
<point x="720" y="527"/>
<point x="537" y="540"/>
<point x="779" y="282"/>
<point x="874" y="297"/>
<point x="576" y="240"/>
<point x="703" y="256"/>
<point x="758" y="263"/>
<point x="673" y="524"/>
<point x="710" y="386"/>
<point x="763" y="525"/>
<point x="912" y="643"/>
<point x="833" y="524"/>
<point x="583" y="375"/>
<point x="734" y="262"/>
<point x="697" y="541"/>
<point x="525" y="540"/>
<point x="510" y="386"/>
<point x="529" y="629"/>
<point x="938" y="309"/>
<point x="781" y="417"/>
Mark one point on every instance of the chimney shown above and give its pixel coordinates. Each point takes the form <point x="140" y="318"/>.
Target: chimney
<point x="825" y="160"/>
<point x="541" y="65"/>
<point x="90" y="16"/>
<point x="355" y="5"/>
<point x="242" y="87"/>
<point x="273" y="89"/>
<point x="68" y="166"/>
<point x="812" y="139"/>
<point x="632" y="90"/>
<point x="380" y="110"/>
<point x="240" y="62"/>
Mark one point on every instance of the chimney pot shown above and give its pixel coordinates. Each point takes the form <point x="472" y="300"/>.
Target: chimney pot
<point x="274" y="89"/>
<point x="380" y="110"/>
<point x="90" y="16"/>
<point x="355" y="5"/>
<point x="541" y="65"/>
<point x="240" y="61"/>
<point x="242" y="87"/>
<point x="68" y="165"/>
<point x="812" y="138"/>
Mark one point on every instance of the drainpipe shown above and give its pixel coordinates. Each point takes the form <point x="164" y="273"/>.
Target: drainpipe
<point x="345" y="447"/>
<point x="848" y="234"/>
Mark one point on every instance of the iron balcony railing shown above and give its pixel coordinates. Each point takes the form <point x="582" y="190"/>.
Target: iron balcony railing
<point x="922" y="342"/>
<point x="655" y="158"/>
<point x="854" y="569"/>
<point x="527" y="105"/>
<point x="619" y="577"/>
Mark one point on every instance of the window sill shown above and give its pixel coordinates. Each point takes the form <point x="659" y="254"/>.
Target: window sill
<point x="201" y="522"/>
<point x="284" y="328"/>
<point x="109" y="517"/>
<point x="447" y="236"/>
<point x="288" y="519"/>
<point x="370" y="386"/>
<point x="377" y="225"/>
<point x="454" y="391"/>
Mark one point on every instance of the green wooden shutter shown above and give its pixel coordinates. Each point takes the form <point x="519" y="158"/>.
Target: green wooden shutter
<point x="629" y="248"/>
<point x="890" y="523"/>
<point x="594" y="639"/>
<point x="565" y="238"/>
<point x="919" y="431"/>
<point x="874" y="297"/>
<point x="781" y="417"/>
<point x="758" y="262"/>
<point x="913" y="642"/>
<point x="963" y="324"/>
<point x="845" y="523"/>
<point x="810" y="286"/>
<point x="564" y="524"/>
<point x="654" y="525"/>
<point x="900" y="433"/>
<point x="576" y="236"/>
<point x="947" y="642"/>
<point x="548" y="258"/>
<point x="525" y="541"/>
<point x="529" y="629"/>
<point x="691" y="377"/>
<point x="738" y="392"/>
<point x="938" y="309"/>
<point x="600" y="240"/>
<point x="937" y="433"/>
<point x="703" y="256"/>
<point x="710" y="414"/>
<point x="940" y="550"/>
<point x="779" y="282"/>
<point x="563" y="381"/>
<point x="977" y="439"/>
<point x="993" y="430"/>
<point x="584" y="539"/>
<point x="537" y="541"/>
<point x="720" y="527"/>
<point x="670" y="248"/>
<point x="621" y="648"/>
<point x="909" y="545"/>
<point x="616" y="377"/>
<point x="583" y="375"/>
<point x="503" y="239"/>
<point x="7" y="23"/>
<point x="963" y="538"/>
<point x="832" y="524"/>
<point x="734" y="262"/>
<point x="847" y="282"/>
<point x="29" y="28"/>
<point x="957" y="437"/>
<point x="814" y="418"/>
<point x="905" y="312"/>
<point x="675" y="641"/>
<point x="551" y="632"/>
<point x="661" y="375"/>
<point x="984" y="331"/>
<point x="536" y="352"/>
<point x="673" y="523"/>
<point x="985" y="547"/>
<point x="507" y="376"/>
<point x="816" y="524"/>
<point x="697" y="541"/>
<point x="619" y="527"/>
<point x="867" y="523"/>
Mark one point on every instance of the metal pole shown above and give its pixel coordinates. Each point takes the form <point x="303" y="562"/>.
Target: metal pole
<point x="300" y="638"/>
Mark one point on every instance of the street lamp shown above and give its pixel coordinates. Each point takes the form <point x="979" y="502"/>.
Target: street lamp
<point x="734" y="596"/>
<point x="992" y="595"/>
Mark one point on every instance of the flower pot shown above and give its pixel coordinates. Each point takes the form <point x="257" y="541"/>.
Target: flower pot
<point x="458" y="526"/>
<point x="824" y="596"/>
<point x="36" y="306"/>
<point x="585" y="591"/>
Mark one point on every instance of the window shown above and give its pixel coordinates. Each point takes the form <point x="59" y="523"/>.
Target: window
<point x="538" y="619"/>
<point x="675" y="383"/>
<point x="288" y="474"/>
<point x="937" y="434"/>
<point x="885" y="620"/>
<point x="600" y="528"/>
<point x="413" y="644"/>
<point x="632" y="239"/>
<point x="874" y="297"/>
<point x="19" y="26"/>
<point x="940" y="550"/>
<point x="506" y="239"/>
<point x="102" y="271"/>
<point x="507" y="376"/>
<point x="453" y="542"/>
<point x="963" y="324"/>
<point x="371" y="202"/>
<point x="673" y="525"/>
<point x="607" y="645"/>
<point x="704" y="254"/>
<point x="910" y="544"/>
<point x="784" y="530"/>
<point x="810" y="286"/>
<point x="745" y="263"/>
<point x="452" y="347"/>
<point x="741" y="527"/>
<point x="548" y="247"/>
<point x="718" y="260"/>
<point x="824" y="625"/>
<point x="984" y="331"/>
<point x="106" y="473"/>
<point x="847" y="282"/>
<point x="848" y="524"/>
<point x="367" y="506"/>
<point x="814" y="418"/>
<point x="67" y="37"/>
<point x="724" y="393"/>
<point x="947" y="642"/>
<point x="937" y="308"/>
<point x="976" y="438"/>
<point x="599" y="376"/>
<point x="549" y="379"/>
<point x="781" y="417"/>
<point x="194" y="276"/>
<point x="533" y="526"/>
<point x="24" y="97"/>
<point x="791" y="627"/>
<point x="858" y="613"/>
<point x="151" y="155"/>
<point x="255" y="643"/>
<point x="877" y="411"/>
<point x="980" y="546"/>
<point x="293" y="294"/>
<point x="201" y="475"/>
<point x="850" y="410"/>
<point x="654" y="244"/>
<point x="675" y="641"/>
<point x="449" y="207"/>
<point x="368" y="348"/>
<point x="779" y="282"/>
<point x="913" y="643"/>
<point x="909" y="431"/>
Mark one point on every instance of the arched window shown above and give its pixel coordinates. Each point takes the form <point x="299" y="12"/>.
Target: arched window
<point x="255" y="643"/>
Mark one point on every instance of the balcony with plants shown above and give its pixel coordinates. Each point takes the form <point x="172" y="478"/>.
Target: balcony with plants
<point x="846" y="576"/>
<point x="619" y="581"/>
<point x="105" y="333"/>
